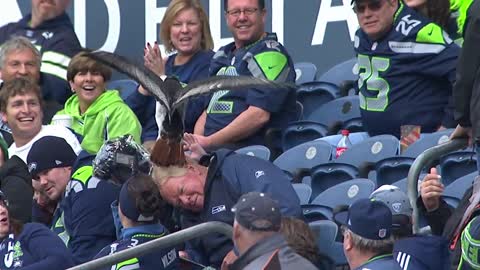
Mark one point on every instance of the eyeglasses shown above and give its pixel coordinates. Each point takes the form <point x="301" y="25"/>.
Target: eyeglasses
<point x="246" y="12"/>
<point x="372" y="6"/>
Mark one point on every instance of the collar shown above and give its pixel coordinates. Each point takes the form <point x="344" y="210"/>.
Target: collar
<point x="157" y="230"/>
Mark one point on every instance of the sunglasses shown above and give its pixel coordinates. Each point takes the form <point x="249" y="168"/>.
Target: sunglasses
<point x="372" y="6"/>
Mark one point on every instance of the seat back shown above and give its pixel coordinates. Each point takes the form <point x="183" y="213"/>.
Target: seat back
<point x="305" y="155"/>
<point x="314" y="94"/>
<point x="341" y="72"/>
<point x="304" y="192"/>
<point x="325" y="232"/>
<point x="301" y="132"/>
<point x="426" y="141"/>
<point x="458" y="187"/>
<point x="259" y="151"/>
<point x="457" y="164"/>
<point x="327" y="175"/>
<point x="345" y="193"/>
<point x="336" y="113"/>
<point x="125" y="87"/>
<point x="392" y="169"/>
<point x="305" y="72"/>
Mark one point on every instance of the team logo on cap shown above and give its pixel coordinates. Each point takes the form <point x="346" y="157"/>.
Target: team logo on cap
<point x="397" y="207"/>
<point x="58" y="162"/>
<point x="382" y="233"/>
<point x="32" y="166"/>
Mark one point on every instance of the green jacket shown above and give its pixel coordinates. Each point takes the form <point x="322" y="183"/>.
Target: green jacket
<point x="108" y="117"/>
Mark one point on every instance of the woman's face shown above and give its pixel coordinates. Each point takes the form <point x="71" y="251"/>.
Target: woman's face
<point x="4" y="220"/>
<point x="88" y="86"/>
<point x="186" y="32"/>
<point x="416" y="4"/>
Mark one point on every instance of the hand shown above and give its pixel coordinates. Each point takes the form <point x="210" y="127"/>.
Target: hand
<point x="183" y="254"/>
<point x="152" y="59"/>
<point x="228" y="260"/>
<point x="462" y="132"/>
<point x="191" y="144"/>
<point x="431" y="190"/>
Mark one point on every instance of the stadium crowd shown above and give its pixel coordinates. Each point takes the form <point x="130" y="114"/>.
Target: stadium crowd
<point x="86" y="172"/>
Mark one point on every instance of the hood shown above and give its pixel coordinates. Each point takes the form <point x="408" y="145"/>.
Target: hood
<point x="60" y="21"/>
<point x="15" y="167"/>
<point x="109" y="97"/>
<point x="422" y="253"/>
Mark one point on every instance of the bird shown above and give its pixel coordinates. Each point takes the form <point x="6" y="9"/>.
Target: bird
<point x="171" y="94"/>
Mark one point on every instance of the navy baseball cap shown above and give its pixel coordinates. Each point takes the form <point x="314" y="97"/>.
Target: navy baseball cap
<point x="367" y="218"/>
<point x="470" y="246"/>
<point x="258" y="212"/>
<point x="128" y="205"/>
<point x="49" y="152"/>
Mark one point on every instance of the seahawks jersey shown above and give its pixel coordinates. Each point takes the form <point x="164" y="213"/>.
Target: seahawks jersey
<point x="266" y="59"/>
<point x="406" y="77"/>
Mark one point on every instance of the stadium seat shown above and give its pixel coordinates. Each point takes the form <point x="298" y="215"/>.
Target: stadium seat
<point x="336" y="113"/>
<point x="327" y="175"/>
<point x="259" y="151"/>
<point x="370" y="150"/>
<point x="340" y="73"/>
<point x="299" y="110"/>
<point x="125" y="87"/>
<point x="301" y="132"/>
<point x="325" y="232"/>
<point x="345" y="193"/>
<point x="426" y="141"/>
<point x="305" y="155"/>
<point x="313" y="212"/>
<point x="303" y="191"/>
<point x="305" y="71"/>
<point x="392" y="169"/>
<point x="402" y="185"/>
<point x="454" y="192"/>
<point x="314" y="94"/>
<point x="457" y="164"/>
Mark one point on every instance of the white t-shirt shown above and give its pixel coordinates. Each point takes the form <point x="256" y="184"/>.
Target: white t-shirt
<point x="50" y="130"/>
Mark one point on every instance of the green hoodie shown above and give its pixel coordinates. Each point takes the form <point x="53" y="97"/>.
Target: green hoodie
<point x="108" y="117"/>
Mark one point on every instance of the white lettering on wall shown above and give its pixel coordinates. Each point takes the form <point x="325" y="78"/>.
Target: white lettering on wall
<point x="327" y="14"/>
<point x="278" y="19"/>
<point x="153" y="17"/>
<point x="216" y="17"/>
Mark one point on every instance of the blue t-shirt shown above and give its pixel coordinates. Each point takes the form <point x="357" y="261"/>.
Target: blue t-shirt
<point x="406" y="77"/>
<point x="267" y="59"/>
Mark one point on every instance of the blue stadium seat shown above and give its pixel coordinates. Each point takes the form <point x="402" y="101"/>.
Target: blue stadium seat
<point x="354" y="137"/>
<point x="392" y="169"/>
<point x="340" y="73"/>
<point x="314" y="94"/>
<point x="345" y="193"/>
<point x="305" y="155"/>
<point x="336" y="113"/>
<point x="457" y="164"/>
<point x="304" y="192"/>
<point x="426" y="141"/>
<point x="401" y="184"/>
<point x="299" y="110"/>
<point x="325" y="232"/>
<point x="259" y="151"/>
<point x="305" y="71"/>
<point x="125" y="87"/>
<point x="458" y="187"/>
<point x="301" y="132"/>
<point x="327" y="175"/>
<point x="312" y="212"/>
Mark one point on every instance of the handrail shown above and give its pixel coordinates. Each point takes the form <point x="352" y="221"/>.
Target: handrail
<point x="427" y="158"/>
<point x="163" y="242"/>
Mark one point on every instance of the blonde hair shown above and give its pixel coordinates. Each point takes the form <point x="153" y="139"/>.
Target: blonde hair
<point x="175" y="7"/>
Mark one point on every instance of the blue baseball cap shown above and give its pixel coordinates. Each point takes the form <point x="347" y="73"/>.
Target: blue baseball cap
<point x="367" y="218"/>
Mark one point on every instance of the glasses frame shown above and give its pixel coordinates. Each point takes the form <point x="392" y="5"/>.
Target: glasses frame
<point x="237" y="12"/>
<point x="372" y="6"/>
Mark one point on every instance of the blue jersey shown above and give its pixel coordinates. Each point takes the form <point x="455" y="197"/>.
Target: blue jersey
<point x="160" y="259"/>
<point x="266" y="59"/>
<point x="35" y="248"/>
<point x="406" y="77"/>
<point x="381" y="262"/>
<point x="83" y="219"/>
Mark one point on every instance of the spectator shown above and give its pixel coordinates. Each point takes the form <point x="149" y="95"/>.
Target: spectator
<point x="437" y="11"/>
<point x="238" y="118"/>
<point x="367" y="237"/>
<point x="206" y="194"/>
<point x="257" y="237"/>
<point x="20" y="58"/>
<point x="185" y="31"/>
<point x="43" y="207"/>
<point x="400" y="207"/>
<point x="20" y="106"/>
<point x="406" y="69"/>
<point x="83" y="217"/>
<point x="301" y="239"/>
<point x="97" y="115"/>
<point x="49" y="28"/>
<point x="422" y="252"/>
<point x="29" y="246"/>
<point x="141" y="213"/>
<point x="470" y="237"/>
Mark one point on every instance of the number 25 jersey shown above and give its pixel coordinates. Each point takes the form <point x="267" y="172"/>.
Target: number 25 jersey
<point x="406" y="77"/>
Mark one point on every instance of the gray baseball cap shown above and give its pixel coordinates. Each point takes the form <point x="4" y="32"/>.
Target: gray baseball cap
<point x="394" y="198"/>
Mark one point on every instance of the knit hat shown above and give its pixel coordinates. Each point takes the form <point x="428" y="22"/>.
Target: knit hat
<point x="49" y="152"/>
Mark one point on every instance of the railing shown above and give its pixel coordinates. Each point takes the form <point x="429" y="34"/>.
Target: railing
<point x="164" y="242"/>
<point x="426" y="159"/>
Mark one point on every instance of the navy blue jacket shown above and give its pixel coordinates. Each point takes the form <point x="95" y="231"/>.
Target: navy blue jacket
<point x="35" y="248"/>
<point x="83" y="218"/>
<point x="144" y="106"/>
<point x="381" y="262"/>
<point x="406" y="77"/>
<point x="57" y="43"/>
<point x="229" y="176"/>
<point x="159" y="259"/>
